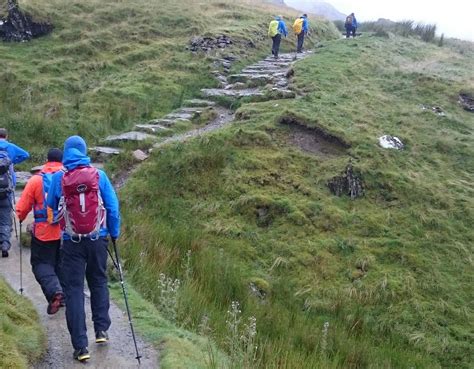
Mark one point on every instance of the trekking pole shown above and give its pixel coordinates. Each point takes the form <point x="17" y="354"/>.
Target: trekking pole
<point x="21" y="262"/>
<point x="117" y="264"/>
<point x="18" y="239"/>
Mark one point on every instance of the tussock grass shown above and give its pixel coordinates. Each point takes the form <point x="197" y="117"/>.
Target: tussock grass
<point x="406" y="28"/>
<point x="390" y="272"/>
<point x="22" y="339"/>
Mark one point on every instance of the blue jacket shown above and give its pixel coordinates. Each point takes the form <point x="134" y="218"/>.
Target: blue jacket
<point x="15" y="153"/>
<point x="305" y="25"/>
<point x="72" y="159"/>
<point x="282" y="27"/>
<point x="354" y="21"/>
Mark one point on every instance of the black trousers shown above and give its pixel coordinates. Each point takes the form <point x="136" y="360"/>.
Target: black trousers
<point x="87" y="258"/>
<point x="276" y="45"/>
<point x="300" y="42"/>
<point x="350" y="31"/>
<point x="45" y="262"/>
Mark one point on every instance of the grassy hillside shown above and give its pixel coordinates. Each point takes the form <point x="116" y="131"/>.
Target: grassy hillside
<point x="245" y="215"/>
<point x="22" y="339"/>
<point x="109" y="64"/>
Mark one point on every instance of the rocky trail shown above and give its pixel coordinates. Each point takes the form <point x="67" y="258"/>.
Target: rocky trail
<point x="265" y="80"/>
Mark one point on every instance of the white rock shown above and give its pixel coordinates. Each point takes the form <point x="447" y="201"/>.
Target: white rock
<point x="391" y="142"/>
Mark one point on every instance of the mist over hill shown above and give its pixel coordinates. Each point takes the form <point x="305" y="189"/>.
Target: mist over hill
<point x="317" y="7"/>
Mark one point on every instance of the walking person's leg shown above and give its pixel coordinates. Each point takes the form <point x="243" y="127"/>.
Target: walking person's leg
<point x="5" y="225"/>
<point x="43" y="261"/>
<point x="96" y="275"/>
<point x="354" y="32"/>
<point x="73" y="269"/>
<point x="300" y="42"/>
<point x="348" y="31"/>
<point x="277" y="45"/>
<point x="273" y="44"/>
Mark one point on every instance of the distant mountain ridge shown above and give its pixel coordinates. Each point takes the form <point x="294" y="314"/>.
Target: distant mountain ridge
<point x="316" y="7"/>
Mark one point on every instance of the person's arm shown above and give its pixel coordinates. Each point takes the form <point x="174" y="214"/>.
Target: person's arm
<point x="27" y="199"/>
<point x="16" y="153"/>
<point x="111" y="204"/>
<point x="54" y="194"/>
<point x="283" y="29"/>
<point x="305" y="25"/>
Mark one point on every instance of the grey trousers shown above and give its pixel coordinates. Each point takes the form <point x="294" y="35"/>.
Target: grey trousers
<point x="6" y="206"/>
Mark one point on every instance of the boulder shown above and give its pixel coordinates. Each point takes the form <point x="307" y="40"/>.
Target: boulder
<point x="391" y="142"/>
<point x="467" y="101"/>
<point x="140" y="155"/>
<point x="18" y="26"/>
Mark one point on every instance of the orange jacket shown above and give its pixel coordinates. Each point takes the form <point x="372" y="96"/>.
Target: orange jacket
<point x="32" y="197"/>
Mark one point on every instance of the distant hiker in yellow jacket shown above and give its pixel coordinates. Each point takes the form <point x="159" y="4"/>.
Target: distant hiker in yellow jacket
<point x="301" y="28"/>
<point x="276" y="29"/>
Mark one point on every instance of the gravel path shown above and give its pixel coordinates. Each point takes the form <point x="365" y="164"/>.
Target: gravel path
<point x="119" y="353"/>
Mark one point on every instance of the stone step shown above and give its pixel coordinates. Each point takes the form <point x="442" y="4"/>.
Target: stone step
<point x="132" y="136"/>
<point x="199" y="103"/>
<point x="167" y="122"/>
<point x="102" y="153"/>
<point x="151" y="128"/>
<point x="256" y="79"/>
<point x="219" y="92"/>
<point x="106" y="150"/>
<point x="281" y="93"/>
<point x="177" y="115"/>
<point x="263" y="70"/>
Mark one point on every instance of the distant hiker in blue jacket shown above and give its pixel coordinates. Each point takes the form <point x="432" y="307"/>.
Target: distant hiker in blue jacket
<point x="351" y="25"/>
<point x="10" y="154"/>
<point x="276" y="29"/>
<point x="301" y="29"/>
<point x="88" y="211"/>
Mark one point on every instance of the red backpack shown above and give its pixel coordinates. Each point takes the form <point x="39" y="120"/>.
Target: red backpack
<point x="82" y="209"/>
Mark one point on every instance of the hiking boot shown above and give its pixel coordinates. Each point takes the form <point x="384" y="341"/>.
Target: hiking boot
<point x="82" y="354"/>
<point x="55" y="303"/>
<point x="101" y="337"/>
<point x="4" y="254"/>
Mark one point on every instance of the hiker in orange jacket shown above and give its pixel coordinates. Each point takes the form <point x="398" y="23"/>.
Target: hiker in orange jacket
<point x="45" y="239"/>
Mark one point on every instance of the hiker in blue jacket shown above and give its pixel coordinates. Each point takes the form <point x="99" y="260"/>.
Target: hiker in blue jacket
<point x="351" y="25"/>
<point x="276" y="29"/>
<point x="15" y="155"/>
<point x="86" y="255"/>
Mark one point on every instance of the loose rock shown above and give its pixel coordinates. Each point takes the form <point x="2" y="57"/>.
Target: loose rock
<point x="391" y="142"/>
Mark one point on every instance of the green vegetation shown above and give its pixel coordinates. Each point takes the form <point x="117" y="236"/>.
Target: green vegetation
<point x="109" y="64"/>
<point x="244" y="215"/>
<point x="22" y="340"/>
<point x="181" y="349"/>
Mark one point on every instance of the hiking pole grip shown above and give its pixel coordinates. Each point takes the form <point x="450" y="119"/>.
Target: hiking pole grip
<point x="122" y="282"/>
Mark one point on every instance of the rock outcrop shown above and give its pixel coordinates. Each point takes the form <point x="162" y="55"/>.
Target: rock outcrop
<point x="18" y="26"/>
<point x="349" y="183"/>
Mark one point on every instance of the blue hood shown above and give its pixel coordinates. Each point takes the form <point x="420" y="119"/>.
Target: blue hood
<point x="76" y="142"/>
<point x="74" y="158"/>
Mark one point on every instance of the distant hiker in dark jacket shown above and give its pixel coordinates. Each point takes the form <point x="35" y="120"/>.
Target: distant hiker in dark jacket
<point x="276" y="29"/>
<point x="301" y="28"/>
<point x="10" y="154"/>
<point x="351" y="25"/>
<point x="45" y="239"/>
<point x="88" y="209"/>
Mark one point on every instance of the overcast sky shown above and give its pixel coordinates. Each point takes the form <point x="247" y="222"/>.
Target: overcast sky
<point x="454" y="18"/>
